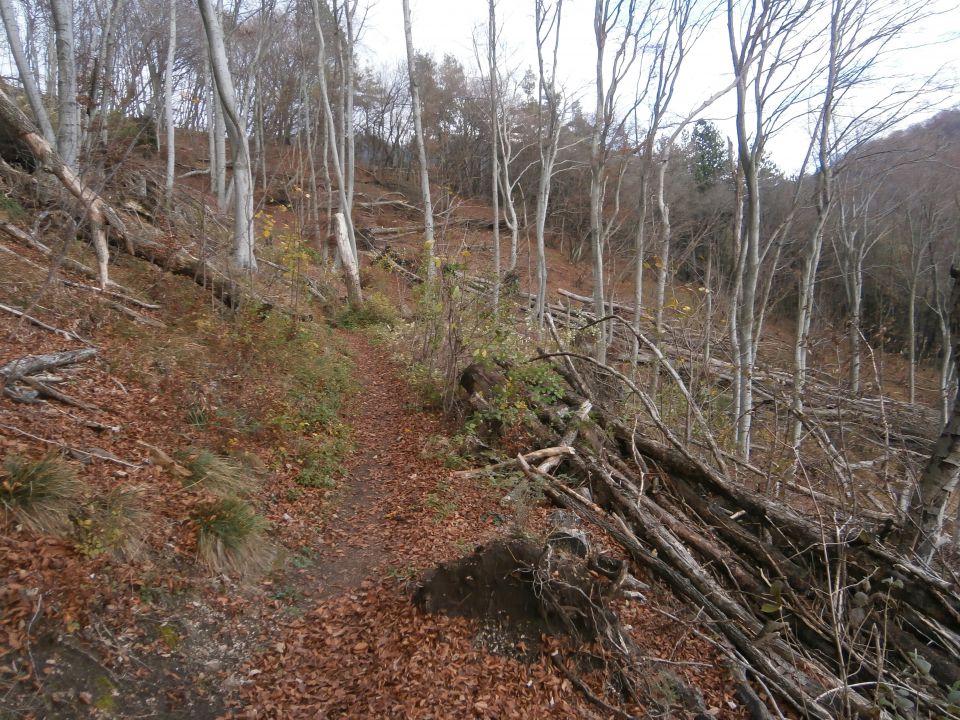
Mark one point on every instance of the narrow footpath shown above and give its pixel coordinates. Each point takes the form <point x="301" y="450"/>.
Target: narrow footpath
<point x="359" y="649"/>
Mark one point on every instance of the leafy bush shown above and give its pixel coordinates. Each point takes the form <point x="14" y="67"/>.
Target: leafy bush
<point x="231" y="537"/>
<point x="40" y="494"/>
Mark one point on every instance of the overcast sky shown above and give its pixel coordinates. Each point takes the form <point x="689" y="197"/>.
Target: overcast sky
<point x="447" y="26"/>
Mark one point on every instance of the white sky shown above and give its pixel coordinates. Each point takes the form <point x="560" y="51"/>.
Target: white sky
<point x="447" y="26"/>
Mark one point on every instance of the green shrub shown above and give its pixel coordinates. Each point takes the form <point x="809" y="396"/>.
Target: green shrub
<point x="40" y="494"/>
<point x="12" y="209"/>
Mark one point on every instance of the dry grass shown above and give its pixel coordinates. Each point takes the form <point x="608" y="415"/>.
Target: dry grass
<point x="39" y="494"/>
<point x="220" y="476"/>
<point x="117" y="523"/>
<point x="232" y="538"/>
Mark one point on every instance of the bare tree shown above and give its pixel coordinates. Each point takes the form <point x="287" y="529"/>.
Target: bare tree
<point x="68" y="128"/>
<point x="859" y="32"/>
<point x="550" y="111"/>
<point x="855" y="237"/>
<point x="507" y="146"/>
<point x="243" y="241"/>
<point x="421" y="145"/>
<point x="767" y="47"/>
<point x="168" y="100"/>
<point x="331" y="133"/>
<point x="683" y="24"/>
<point x="101" y="77"/>
<point x="27" y="77"/>
<point x="940" y="476"/>
<point x="618" y="19"/>
<point x="494" y="149"/>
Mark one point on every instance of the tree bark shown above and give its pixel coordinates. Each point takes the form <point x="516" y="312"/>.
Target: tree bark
<point x="168" y="100"/>
<point x="68" y="132"/>
<point x="428" y="240"/>
<point x="330" y="138"/>
<point x="940" y="476"/>
<point x="243" y="243"/>
<point x="27" y="78"/>
<point x="351" y="271"/>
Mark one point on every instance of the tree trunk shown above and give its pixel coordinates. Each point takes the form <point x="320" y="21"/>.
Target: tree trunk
<point x="351" y="271"/>
<point x="27" y="78"/>
<point x="330" y="138"/>
<point x="68" y="132"/>
<point x="747" y="309"/>
<point x="243" y="254"/>
<point x="543" y="202"/>
<point x="639" y="249"/>
<point x="855" y="329"/>
<point x="939" y="479"/>
<point x="494" y="151"/>
<point x="597" y="162"/>
<point x="168" y="101"/>
<point x="912" y="340"/>
<point x="349" y="8"/>
<point x="663" y="272"/>
<point x="421" y="145"/>
<point x="549" y="112"/>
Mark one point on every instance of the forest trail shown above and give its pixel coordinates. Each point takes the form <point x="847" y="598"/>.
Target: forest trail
<point x="384" y="471"/>
<point x="355" y="646"/>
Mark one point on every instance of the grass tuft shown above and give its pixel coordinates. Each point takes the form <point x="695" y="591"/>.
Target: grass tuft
<point x="117" y="523"/>
<point x="221" y="476"/>
<point x="40" y="494"/>
<point x="232" y="538"/>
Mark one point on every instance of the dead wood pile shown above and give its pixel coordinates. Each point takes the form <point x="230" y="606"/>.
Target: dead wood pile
<point x="817" y="611"/>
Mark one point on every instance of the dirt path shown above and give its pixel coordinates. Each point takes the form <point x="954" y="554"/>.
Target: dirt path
<point x="360" y="650"/>
<point x="385" y="475"/>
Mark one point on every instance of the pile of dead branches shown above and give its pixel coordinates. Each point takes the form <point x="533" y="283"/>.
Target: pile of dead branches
<point x="819" y="613"/>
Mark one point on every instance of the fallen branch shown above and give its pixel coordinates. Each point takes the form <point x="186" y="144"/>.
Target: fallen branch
<point x="137" y="317"/>
<point x="558" y="663"/>
<point x="46" y="391"/>
<point x="551" y="452"/>
<point x="66" y="334"/>
<point x="33" y="364"/>
<point x="84" y="455"/>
